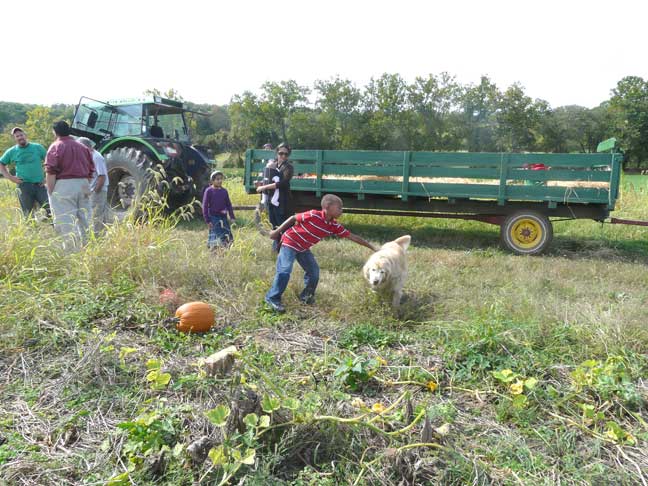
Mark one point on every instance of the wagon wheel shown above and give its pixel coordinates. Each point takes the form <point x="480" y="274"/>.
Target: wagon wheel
<point x="261" y="220"/>
<point x="526" y="232"/>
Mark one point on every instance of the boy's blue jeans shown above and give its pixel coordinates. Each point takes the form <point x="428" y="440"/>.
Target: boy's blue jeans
<point x="285" y="260"/>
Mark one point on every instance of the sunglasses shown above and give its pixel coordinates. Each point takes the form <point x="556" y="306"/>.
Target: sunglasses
<point x="282" y="153"/>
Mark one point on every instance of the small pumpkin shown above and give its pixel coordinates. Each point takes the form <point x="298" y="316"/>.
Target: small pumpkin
<point x="195" y="317"/>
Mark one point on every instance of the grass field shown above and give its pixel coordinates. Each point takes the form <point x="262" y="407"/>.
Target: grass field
<point x="500" y="369"/>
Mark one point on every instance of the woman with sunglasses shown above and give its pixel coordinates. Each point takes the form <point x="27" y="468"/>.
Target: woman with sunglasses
<point x="279" y="214"/>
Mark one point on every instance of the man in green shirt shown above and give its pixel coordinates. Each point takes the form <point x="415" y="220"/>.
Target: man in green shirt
<point x="29" y="177"/>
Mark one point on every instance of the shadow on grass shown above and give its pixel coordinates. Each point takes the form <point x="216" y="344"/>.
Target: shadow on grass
<point x="417" y="306"/>
<point x="430" y="236"/>
<point x="627" y="250"/>
<point x="487" y="238"/>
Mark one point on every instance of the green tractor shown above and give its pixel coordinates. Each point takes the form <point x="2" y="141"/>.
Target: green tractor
<point x="147" y="147"/>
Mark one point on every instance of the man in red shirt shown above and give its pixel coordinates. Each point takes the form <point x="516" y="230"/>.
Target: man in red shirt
<point x="69" y="169"/>
<point x="298" y="233"/>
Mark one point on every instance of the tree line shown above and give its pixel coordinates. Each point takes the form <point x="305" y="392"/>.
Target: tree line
<point x="432" y="113"/>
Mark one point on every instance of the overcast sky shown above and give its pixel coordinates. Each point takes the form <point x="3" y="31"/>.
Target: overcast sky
<point x="565" y="52"/>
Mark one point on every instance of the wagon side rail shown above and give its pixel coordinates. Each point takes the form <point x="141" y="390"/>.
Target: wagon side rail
<point x="502" y="177"/>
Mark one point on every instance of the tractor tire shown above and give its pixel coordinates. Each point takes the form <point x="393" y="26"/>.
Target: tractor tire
<point x="526" y="232"/>
<point x="130" y="177"/>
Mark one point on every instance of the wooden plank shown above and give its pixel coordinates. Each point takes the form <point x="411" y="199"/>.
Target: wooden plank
<point x="515" y="174"/>
<point x="559" y="194"/>
<point x="561" y="160"/>
<point x="454" y="172"/>
<point x="365" y="163"/>
<point x="362" y="156"/>
<point x="256" y="167"/>
<point x="559" y="175"/>
<point x="298" y="184"/>
<point x="303" y="155"/>
<point x="247" y="181"/>
<point x="308" y="200"/>
<point x="501" y="190"/>
<point x="257" y="154"/>
<point x="474" y="191"/>
<point x="614" y="180"/>
<point x="424" y="160"/>
<point x="300" y="168"/>
<point x="318" y="173"/>
<point x="305" y="168"/>
<point x="360" y="170"/>
<point x="415" y="189"/>
<point x="359" y="186"/>
<point x="407" y="157"/>
<point x="460" y="159"/>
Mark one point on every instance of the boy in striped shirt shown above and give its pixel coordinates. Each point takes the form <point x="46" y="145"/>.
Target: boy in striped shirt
<point x="298" y="233"/>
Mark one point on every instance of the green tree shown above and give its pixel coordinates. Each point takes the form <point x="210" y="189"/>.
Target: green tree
<point x="279" y="101"/>
<point x="597" y="126"/>
<point x="574" y="128"/>
<point x="339" y="102"/>
<point x="518" y="117"/>
<point x="12" y="114"/>
<point x="629" y="104"/>
<point x="39" y="125"/>
<point x="62" y="111"/>
<point x="6" y="141"/>
<point x="250" y="126"/>
<point x="433" y="103"/>
<point x="309" y="131"/>
<point x="554" y="131"/>
<point x="385" y="102"/>
<point x="480" y="105"/>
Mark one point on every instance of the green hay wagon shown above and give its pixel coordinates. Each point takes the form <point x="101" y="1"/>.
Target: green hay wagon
<point x="520" y="192"/>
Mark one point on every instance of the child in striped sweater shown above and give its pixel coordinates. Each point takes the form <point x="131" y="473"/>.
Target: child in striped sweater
<point x="298" y="233"/>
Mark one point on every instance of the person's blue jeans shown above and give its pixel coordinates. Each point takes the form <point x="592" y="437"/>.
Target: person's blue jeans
<point x="220" y="233"/>
<point x="285" y="261"/>
<point x="277" y="216"/>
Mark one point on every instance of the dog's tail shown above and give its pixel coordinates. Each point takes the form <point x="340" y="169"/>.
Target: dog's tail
<point x="404" y="241"/>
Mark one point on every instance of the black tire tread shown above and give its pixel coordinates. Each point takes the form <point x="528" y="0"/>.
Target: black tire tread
<point x="512" y="218"/>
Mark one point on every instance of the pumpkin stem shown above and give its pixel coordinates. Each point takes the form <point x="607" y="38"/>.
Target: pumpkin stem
<point x="170" y="320"/>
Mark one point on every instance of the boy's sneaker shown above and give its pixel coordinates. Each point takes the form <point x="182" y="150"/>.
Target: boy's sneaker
<point x="275" y="306"/>
<point x="307" y="299"/>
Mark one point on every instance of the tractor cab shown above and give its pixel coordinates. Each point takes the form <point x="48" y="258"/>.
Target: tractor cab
<point x="147" y="117"/>
<point x="147" y="147"/>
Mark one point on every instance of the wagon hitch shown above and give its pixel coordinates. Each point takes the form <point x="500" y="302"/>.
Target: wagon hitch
<point x="633" y="222"/>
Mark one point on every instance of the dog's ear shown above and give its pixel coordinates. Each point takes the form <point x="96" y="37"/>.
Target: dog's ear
<point x="404" y="241"/>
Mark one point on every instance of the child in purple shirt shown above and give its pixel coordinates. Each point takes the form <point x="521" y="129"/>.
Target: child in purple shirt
<point x="216" y="205"/>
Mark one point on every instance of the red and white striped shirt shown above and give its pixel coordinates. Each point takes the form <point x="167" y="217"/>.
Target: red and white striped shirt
<point x="311" y="227"/>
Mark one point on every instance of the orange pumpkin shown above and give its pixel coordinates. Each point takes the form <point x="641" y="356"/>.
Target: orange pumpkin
<point x="195" y="317"/>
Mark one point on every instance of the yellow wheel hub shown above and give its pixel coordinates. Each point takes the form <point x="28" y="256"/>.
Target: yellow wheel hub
<point x="526" y="233"/>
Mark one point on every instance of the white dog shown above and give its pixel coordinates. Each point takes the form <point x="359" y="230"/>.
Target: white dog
<point x="386" y="270"/>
